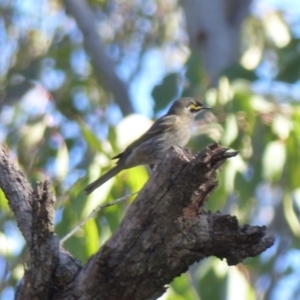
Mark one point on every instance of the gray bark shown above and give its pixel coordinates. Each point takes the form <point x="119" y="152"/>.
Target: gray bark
<point x="213" y="28"/>
<point x="164" y="231"/>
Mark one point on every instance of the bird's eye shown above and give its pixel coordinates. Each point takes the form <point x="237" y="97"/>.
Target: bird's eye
<point x="194" y="107"/>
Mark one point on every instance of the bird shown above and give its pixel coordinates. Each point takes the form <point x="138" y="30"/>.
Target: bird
<point x="172" y="129"/>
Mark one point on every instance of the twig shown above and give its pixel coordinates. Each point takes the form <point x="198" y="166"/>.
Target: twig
<point x="94" y="212"/>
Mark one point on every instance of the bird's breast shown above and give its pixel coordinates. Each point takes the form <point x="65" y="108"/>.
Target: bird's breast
<point x="182" y="133"/>
<point x="154" y="149"/>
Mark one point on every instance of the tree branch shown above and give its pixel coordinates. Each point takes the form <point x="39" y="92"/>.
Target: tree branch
<point x="19" y="192"/>
<point x="167" y="229"/>
<point x="44" y="252"/>
<point x="34" y="213"/>
<point x="104" y="67"/>
<point x="164" y="231"/>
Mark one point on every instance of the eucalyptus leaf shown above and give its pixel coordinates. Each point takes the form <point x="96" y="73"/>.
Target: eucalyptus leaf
<point x="165" y="92"/>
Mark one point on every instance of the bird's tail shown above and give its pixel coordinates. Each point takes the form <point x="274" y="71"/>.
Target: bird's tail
<point x="105" y="177"/>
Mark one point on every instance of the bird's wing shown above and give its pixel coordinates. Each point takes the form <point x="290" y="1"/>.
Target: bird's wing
<point x="160" y="126"/>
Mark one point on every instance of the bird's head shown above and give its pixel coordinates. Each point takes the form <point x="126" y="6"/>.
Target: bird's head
<point x="187" y="105"/>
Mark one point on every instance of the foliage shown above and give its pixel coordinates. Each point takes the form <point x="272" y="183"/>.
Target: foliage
<point x="70" y="135"/>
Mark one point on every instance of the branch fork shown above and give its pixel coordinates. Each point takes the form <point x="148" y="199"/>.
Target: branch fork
<point x="164" y="231"/>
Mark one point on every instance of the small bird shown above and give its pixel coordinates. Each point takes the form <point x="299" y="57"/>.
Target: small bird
<point x="172" y="129"/>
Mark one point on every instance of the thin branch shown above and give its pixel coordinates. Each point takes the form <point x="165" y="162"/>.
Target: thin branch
<point x="104" y="67"/>
<point x="92" y="214"/>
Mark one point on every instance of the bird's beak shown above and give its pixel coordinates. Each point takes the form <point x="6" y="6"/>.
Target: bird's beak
<point x="205" y="107"/>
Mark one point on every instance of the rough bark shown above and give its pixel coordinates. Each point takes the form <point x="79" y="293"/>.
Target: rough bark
<point x="34" y="213"/>
<point x="213" y="28"/>
<point x="164" y="231"/>
<point x="104" y="66"/>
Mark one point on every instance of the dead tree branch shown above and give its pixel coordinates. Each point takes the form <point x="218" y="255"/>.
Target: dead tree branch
<point x="34" y="213"/>
<point x="164" y="231"/>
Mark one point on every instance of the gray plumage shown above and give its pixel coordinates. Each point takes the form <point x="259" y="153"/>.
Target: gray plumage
<point x="172" y="129"/>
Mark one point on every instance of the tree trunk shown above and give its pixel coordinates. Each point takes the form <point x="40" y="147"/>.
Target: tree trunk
<point x="213" y="28"/>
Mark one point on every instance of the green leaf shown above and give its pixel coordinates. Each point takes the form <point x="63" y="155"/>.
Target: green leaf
<point x="195" y="76"/>
<point x="293" y="154"/>
<point x="289" y="62"/>
<point x="273" y="160"/>
<point x="238" y="71"/>
<point x="231" y="130"/>
<point x="238" y="287"/>
<point x="4" y="208"/>
<point x="165" y="92"/>
<point x="281" y="126"/>
<point x="233" y="166"/>
<point x="62" y="161"/>
<point x="242" y="102"/>
<point x="32" y="136"/>
<point x="290" y="215"/>
<point x="194" y="69"/>
<point x="291" y="71"/>
<point x="137" y="177"/>
<point x="92" y="236"/>
<point x="90" y="137"/>
<point x="181" y="288"/>
<point x="212" y="271"/>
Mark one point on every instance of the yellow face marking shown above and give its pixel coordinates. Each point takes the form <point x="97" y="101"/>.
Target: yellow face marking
<point x="194" y="106"/>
